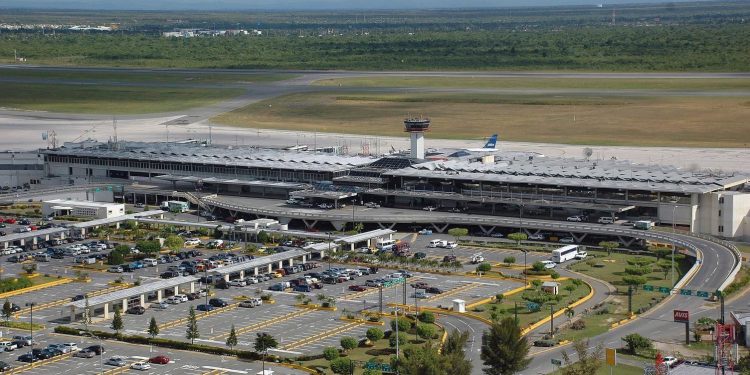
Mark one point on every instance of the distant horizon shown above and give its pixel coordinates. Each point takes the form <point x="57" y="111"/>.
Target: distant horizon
<point x="302" y="5"/>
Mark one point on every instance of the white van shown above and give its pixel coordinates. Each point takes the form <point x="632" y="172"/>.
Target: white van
<point x="436" y="243"/>
<point x="385" y="245"/>
<point x="150" y="262"/>
<point x="606" y="220"/>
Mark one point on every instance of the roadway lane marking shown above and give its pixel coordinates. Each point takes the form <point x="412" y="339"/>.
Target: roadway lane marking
<point x="224" y="369"/>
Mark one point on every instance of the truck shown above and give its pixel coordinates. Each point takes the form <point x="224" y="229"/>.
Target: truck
<point x="401" y="249"/>
<point x="175" y="206"/>
<point x="643" y="224"/>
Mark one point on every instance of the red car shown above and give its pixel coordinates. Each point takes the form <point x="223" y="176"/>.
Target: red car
<point x="159" y="359"/>
<point x="357" y="288"/>
<point x="10" y="221"/>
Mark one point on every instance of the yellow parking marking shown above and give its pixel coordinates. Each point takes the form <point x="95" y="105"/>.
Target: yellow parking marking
<point x="41" y="363"/>
<point x="264" y="324"/>
<point x="321" y="336"/>
<point x="199" y="315"/>
<point x="453" y="291"/>
<point x="214" y="372"/>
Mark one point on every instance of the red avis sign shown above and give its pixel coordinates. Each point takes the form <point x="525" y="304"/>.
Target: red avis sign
<point x="681" y="316"/>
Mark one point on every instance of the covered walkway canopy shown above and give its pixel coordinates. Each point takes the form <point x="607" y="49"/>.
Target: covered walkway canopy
<point x="126" y="295"/>
<point x="352" y="240"/>
<point x="265" y="261"/>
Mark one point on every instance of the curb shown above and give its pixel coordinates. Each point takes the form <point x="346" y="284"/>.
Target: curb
<point x="35" y="287"/>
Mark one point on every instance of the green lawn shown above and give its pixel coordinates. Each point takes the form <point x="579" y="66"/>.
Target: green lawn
<point x="102" y="99"/>
<point x="541" y="83"/>
<point x="526" y="317"/>
<point x="41" y="279"/>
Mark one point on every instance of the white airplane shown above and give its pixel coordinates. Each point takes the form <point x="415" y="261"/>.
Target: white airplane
<point x="491" y="145"/>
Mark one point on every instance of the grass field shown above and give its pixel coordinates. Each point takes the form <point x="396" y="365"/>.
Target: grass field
<point x="642" y="121"/>
<point x="162" y="76"/>
<point x="617" y="370"/>
<point x="102" y="99"/>
<point x="542" y="83"/>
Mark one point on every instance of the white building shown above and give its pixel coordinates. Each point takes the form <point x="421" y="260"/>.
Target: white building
<point x="98" y="210"/>
<point x="20" y="169"/>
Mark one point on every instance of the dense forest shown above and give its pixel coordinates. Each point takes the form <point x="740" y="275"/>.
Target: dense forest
<point x="685" y="37"/>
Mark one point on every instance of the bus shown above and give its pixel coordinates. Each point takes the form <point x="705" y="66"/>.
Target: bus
<point x="565" y="253"/>
<point x="385" y="245"/>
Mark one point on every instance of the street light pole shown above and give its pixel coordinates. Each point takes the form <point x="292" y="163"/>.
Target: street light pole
<point x="674" y="208"/>
<point x="329" y="250"/>
<point x="30" y="305"/>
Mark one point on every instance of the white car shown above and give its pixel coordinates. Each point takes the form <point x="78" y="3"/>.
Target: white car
<point x="450" y="245"/>
<point x="372" y="205"/>
<point x="429" y="208"/>
<point x="182" y="297"/>
<point x="537" y="237"/>
<point x="568" y="240"/>
<point x="192" y="241"/>
<point x="252" y="280"/>
<point x="8" y="346"/>
<point x="174" y="300"/>
<point x="141" y="366"/>
<point x="581" y="255"/>
<point x="574" y="218"/>
<point x="71" y="347"/>
<point x="669" y="361"/>
<point x="548" y="264"/>
<point x="238" y="282"/>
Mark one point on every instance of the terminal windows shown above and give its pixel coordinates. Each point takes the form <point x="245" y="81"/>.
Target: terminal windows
<point x="721" y="229"/>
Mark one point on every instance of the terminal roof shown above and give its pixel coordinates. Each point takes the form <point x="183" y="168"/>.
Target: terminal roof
<point x="134" y="291"/>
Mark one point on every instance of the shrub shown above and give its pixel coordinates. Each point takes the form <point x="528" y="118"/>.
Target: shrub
<point x="342" y="365"/>
<point x="426" y="317"/>
<point x="509" y="260"/>
<point x="578" y="325"/>
<point x="484" y="267"/>
<point x="401" y="339"/>
<point x="403" y="324"/>
<point x="330" y="353"/>
<point x="538" y="267"/>
<point x="425" y="331"/>
<point x="374" y="334"/>
<point x="348" y="343"/>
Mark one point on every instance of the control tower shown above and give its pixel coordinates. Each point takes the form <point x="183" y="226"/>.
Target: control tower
<point x="416" y="128"/>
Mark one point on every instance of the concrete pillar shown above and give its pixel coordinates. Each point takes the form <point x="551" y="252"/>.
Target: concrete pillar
<point x="73" y="314"/>
<point x="226" y="277"/>
<point x="33" y="240"/>
<point x="291" y="262"/>
<point x="46" y="237"/>
<point x="83" y="231"/>
<point x="270" y="268"/>
<point x="5" y="245"/>
<point x="177" y="289"/>
<point x="255" y="272"/>
<point x="242" y="274"/>
<point x="106" y="310"/>
<point x="143" y="300"/>
<point x="281" y="264"/>
<point x="117" y="225"/>
<point x="62" y="235"/>
<point x="192" y="287"/>
<point x="22" y="241"/>
<point x="159" y="295"/>
<point x="304" y="259"/>
<point x="124" y="304"/>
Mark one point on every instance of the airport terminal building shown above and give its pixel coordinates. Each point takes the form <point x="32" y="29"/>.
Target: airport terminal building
<point x="495" y="183"/>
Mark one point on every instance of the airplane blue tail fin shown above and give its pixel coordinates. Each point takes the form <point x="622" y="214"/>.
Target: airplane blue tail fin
<point x="492" y="142"/>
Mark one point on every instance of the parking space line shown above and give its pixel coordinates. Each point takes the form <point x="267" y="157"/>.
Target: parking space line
<point x="264" y="324"/>
<point x="200" y="316"/>
<point x="45" y="362"/>
<point x="321" y="336"/>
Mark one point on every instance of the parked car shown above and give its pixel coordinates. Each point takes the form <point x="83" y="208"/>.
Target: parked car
<point x="116" y="361"/>
<point x="140" y="366"/>
<point x="204" y="307"/>
<point x="669" y="360"/>
<point x="28" y="357"/>
<point x="581" y="255"/>
<point x="85" y="353"/>
<point x="449" y="258"/>
<point x="97" y="349"/>
<point x="238" y="282"/>
<point x="27" y="340"/>
<point x="536" y="237"/>
<point x="357" y="288"/>
<point x="115" y="269"/>
<point x="434" y="290"/>
<point x="136" y="310"/>
<point x="252" y="302"/>
<point x="420" y="255"/>
<point x="419" y="285"/>
<point x="217" y="302"/>
<point x="420" y="294"/>
<point x="8" y="346"/>
<point x="159" y="359"/>
<point x="576" y="218"/>
<point x="4" y="366"/>
<point x="567" y="240"/>
<point x="548" y="264"/>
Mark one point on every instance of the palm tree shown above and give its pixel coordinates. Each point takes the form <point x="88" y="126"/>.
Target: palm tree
<point x="504" y="351"/>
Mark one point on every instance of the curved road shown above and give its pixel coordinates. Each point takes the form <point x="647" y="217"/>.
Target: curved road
<point x="717" y="263"/>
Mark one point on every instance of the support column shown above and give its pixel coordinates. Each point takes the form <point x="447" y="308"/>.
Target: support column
<point x="255" y="272"/>
<point x="304" y="259"/>
<point x="117" y="225"/>
<point x="270" y="268"/>
<point x="281" y="264"/>
<point x="143" y="300"/>
<point x="73" y="313"/>
<point x="291" y="262"/>
<point x="242" y="274"/>
<point x="124" y="305"/>
<point x="226" y="277"/>
<point x="192" y="287"/>
<point x="439" y="229"/>
<point x="106" y="310"/>
<point x="177" y="289"/>
<point x="159" y="295"/>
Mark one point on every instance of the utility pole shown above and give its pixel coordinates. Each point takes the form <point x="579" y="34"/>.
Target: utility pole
<point x="630" y="300"/>
<point x="515" y="311"/>
<point x="552" y="320"/>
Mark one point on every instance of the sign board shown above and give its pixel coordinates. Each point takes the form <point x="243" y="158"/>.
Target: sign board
<point x="702" y="294"/>
<point x="664" y="289"/>
<point x="611" y="356"/>
<point x="681" y="316"/>
<point x="648" y="288"/>
<point x="686" y="292"/>
<point x="556" y="362"/>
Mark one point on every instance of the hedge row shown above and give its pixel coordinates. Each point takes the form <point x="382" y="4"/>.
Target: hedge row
<point x="7" y="285"/>
<point x="166" y="343"/>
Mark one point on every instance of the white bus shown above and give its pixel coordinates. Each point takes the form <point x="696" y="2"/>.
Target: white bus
<point x="565" y="253"/>
<point x="385" y="245"/>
